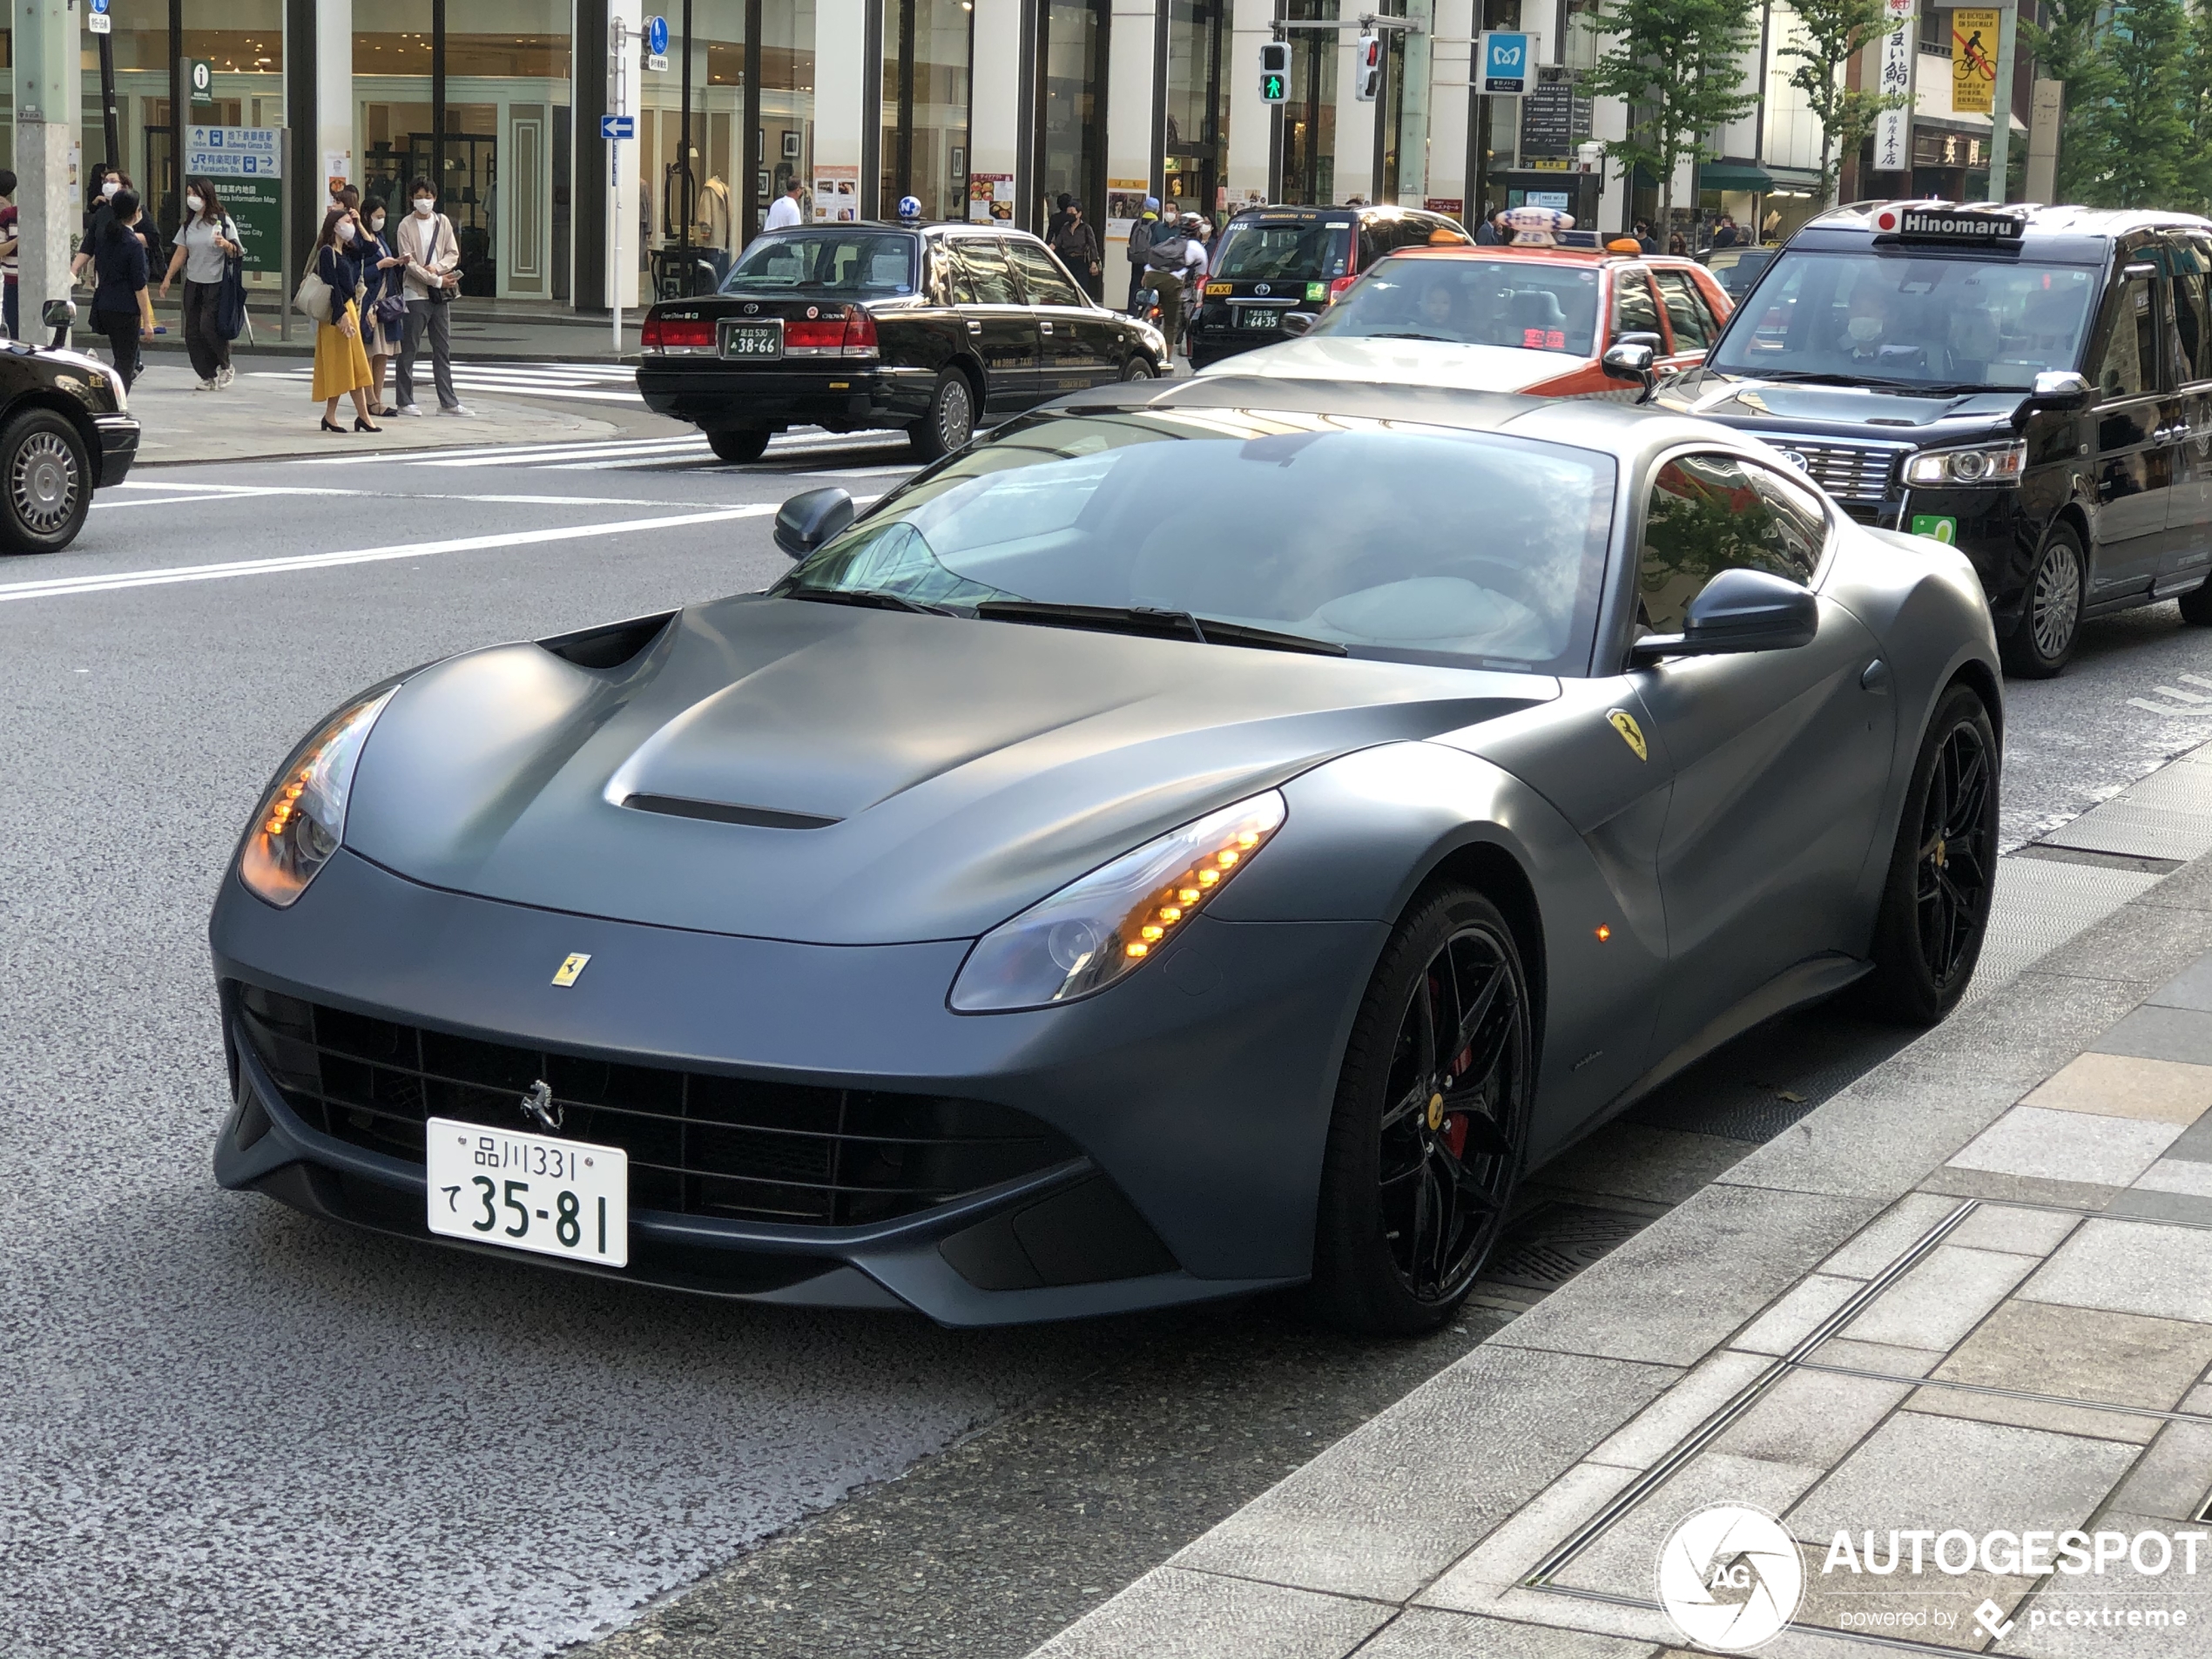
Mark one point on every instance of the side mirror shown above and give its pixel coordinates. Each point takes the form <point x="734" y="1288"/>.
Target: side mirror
<point x="2058" y="388"/>
<point x="1641" y="337"/>
<point x="1630" y="360"/>
<point x="58" y="313"/>
<point x="1739" y="609"/>
<point x="1299" y="322"/>
<point x="807" y="520"/>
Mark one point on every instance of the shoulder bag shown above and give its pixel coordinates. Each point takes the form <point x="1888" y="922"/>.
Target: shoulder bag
<point x="312" y="297"/>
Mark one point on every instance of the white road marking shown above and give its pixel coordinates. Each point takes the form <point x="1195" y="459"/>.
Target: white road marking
<point x="116" y="581"/>
<point x="2195" y="679"/>
<point x="2180" y="696"/>
<point x="863" y="472"/>
<point x="2169" y="709"/>
<point x="229" y="492"/>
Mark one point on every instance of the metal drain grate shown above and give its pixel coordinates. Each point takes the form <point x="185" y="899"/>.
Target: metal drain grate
<point x="1555" y="1241"/>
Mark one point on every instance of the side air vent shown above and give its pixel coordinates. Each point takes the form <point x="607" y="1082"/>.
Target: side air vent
<point x="610" y="646"/>
<point x="719" y="812"/>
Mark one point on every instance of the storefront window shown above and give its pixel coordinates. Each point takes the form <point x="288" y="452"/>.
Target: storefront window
<point x="924" y="106"/>
<point x="691" y="192"/>
<point x="1195" y="141"/>
<point x="1071" y="121"/>
<point x="786" y="139"/>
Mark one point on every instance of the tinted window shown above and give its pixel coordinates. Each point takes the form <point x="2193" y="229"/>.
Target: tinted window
<point x="1923" y="320"/>
<point x="1686" y="309"/>
<point x="856" y="262"/>
<point x="1309" y="250"/>
<point x="1066" y="508"/>
<point x="982" y="276"/>
<point x="1634" y="309"/>
<point x="1508" y="302"/>
<point x="1042" y="275"/>
<point x="2130" y="361"/>
<point x="1710" y="513"/>
<point x="2187" y="305"/>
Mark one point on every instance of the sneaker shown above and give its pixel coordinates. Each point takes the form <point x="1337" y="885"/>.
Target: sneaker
<point x="409" y="409"/>
<point x="460" y="409"/>
<point x="205" y="385"/>
<point x="225" y="375"/>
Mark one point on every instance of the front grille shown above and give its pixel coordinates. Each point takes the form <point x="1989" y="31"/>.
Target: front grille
<point x="698" y="1143"/>
<point x="1847" y="471"/>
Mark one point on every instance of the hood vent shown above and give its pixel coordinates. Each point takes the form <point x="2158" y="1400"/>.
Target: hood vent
<point x="610" y="646"/>
<point x="719" y="812"/>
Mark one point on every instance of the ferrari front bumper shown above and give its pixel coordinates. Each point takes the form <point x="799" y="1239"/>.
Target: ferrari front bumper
<point x="1194" y="1097"/>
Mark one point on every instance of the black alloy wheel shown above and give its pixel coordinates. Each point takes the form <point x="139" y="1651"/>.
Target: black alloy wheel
<point x="950" y="421"/>
<point x="45" y="483"/>
<point x="2196" y="605"/>
<point x="1943" y="870"/>
<point x="738" y="443"/>
<point x="1136" y="368"/>
<point x="1431" y="1121"/>
<point x="2050" y="623"/>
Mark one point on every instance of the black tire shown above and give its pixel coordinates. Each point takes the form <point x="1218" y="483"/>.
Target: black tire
<point x="1138" y="368"/>
<point x="45" y="483"/>
<point x="738" y="443"/>
<point x="950" y="421"/>
<point x="2050" y="623"/>
<point x="1421" y="1164"/>
<point x="1943" y="868"/>
<point x="2196" y="605"/>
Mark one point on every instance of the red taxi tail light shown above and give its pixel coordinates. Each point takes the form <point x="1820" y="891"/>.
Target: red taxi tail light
<point x="1336" y="289"/>
<point x="677" y="334"/>
<point x="859" y="333"/>
<point x="814" y="336"/>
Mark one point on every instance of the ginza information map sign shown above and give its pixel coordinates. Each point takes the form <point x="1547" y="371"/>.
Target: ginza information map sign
<point x="247" y="166"/>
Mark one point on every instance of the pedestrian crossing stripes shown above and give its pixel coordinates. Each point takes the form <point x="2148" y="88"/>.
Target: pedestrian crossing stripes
<point x="864" y="450"/>
<point x="569" y="382"/>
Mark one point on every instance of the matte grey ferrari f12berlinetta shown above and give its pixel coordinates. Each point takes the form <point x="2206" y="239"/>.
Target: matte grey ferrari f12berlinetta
<point x="1210" y="837"/>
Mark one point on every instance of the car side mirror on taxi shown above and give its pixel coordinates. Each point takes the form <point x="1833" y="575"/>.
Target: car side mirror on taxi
<point x="811" y="519"/>
<point x="1631" y="360"/>
<point x="1299" y="322"/>
<point x="1739" y="609"/>
<point x="2055" y="388"/>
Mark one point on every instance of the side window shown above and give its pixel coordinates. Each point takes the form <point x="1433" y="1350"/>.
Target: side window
<point x="1634" y="310"/>
<point x="2130" y="364"/>
<point x="1800" y="522"/>
<point x="2187" y="304"/>
<point x="1414" y="231"/>
<point x="1714" y="513"/>
<point x="985" y="278"/>
<point x="943" y="284"/>
<point x="1047" y="284"/>
<point x="1686" y="310"/>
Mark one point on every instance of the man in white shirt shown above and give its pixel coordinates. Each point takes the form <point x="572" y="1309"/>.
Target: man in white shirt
<point x="786" y="212"/>
<point x="430" y="279"/>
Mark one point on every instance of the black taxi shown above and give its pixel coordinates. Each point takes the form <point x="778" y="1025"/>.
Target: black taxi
<point x="65" y="430"/>
<point x="2033" y="385"/>
<point x="936" y="330"/>
<point x="1272" y="260"/>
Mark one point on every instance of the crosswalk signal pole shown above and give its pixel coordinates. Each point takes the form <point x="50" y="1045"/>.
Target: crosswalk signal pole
<point x="618" y="89"/>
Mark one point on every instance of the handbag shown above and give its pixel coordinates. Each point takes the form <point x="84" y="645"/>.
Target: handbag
<point x="312" y="297"/>
<point x="391" y="311"/>
<point x="230" y="300"/>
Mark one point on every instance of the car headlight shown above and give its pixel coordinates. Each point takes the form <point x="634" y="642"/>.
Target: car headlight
<point x="302" y="819"/>
<point x="1095" y="931"/>
<point x="1984" y="463"/>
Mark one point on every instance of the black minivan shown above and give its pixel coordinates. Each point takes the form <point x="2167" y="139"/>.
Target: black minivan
<point x="1271" y="261"/>
<point x="2031" y="384"/>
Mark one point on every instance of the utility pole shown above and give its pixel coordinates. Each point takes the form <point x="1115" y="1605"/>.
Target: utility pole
<point x="2000" y="100"/>
<point x="49" y="117"/>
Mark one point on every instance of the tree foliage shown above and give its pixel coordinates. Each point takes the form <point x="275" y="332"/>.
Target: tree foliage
<point x="1831" y="33"/>
<point x="2138" y="74"/>
<point x="1678" y="66"/>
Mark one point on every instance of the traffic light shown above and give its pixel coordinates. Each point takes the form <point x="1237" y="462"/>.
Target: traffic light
<point x="1274" y="70"/>
<point x="1366" y="72"/>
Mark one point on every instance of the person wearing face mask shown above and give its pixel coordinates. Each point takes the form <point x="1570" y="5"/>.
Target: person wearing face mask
<point x="206" y="240"/>
<point x="341" y="367"/>
<point x="99" y="190"/>
<point x="121" y="309"/>
<point x="427" y="242"/>
<point x="383" y="307"/>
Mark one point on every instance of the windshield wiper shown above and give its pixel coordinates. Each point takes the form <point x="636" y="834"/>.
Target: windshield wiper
<point x="1872" y="382"/>
<point x="875" y="598"/>
<point x="1408" y="335"/>
<point x="1148" y="619"/>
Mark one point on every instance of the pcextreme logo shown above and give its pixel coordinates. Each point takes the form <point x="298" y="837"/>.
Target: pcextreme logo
<point x="1730" y="1577"/>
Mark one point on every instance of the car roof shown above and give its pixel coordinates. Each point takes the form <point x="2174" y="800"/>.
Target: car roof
<point x="1365" y="211"/>
<point x="919" y="227"/>
<point x="2065" y="233"/>
<point x="1576" y="256"/>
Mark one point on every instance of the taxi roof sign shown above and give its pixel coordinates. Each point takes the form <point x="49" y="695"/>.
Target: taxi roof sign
<point x="1941" y="223"/>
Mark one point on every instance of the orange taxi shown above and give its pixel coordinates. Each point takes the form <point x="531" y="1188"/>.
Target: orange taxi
<point x="1520" y="318"/>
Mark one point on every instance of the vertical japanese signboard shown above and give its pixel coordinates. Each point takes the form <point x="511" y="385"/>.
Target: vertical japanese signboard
<point x="1893" y="128"/>
<point x="1973" y="61"/>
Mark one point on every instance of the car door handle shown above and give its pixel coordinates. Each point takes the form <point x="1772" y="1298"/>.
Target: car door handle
<point x="974" y="327"/>
<point x="1044" y="327"/>
<point x="1876" y="678"/>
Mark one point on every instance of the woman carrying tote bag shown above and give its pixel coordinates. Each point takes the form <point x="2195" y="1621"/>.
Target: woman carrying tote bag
<point x="341" y="366"/>
<point x="206" y="243"/>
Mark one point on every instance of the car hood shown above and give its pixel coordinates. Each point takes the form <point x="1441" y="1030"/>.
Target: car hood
<point x="1862" y="411"/>
<point x="966" y="769"/>
<point x="1405" y="362"/>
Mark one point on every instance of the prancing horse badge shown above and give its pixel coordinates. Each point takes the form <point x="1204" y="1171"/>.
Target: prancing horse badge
<point x="1623" y="722"/>
<point x="573" y="964"/>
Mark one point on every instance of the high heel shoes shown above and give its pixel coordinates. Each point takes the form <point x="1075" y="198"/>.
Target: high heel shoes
<point x="360" y="424"/>
<point x="329" y="425"/>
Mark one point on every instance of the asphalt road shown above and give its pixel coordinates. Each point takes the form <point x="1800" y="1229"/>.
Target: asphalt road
<point x="226" y="1430"/>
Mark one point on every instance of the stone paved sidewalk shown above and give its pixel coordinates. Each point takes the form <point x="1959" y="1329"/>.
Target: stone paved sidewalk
<point x="1972" y="1292"/>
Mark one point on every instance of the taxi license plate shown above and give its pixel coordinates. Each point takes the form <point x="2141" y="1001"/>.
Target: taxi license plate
<point x="753" y="340"/>
<point x="567" y="1199"/>
<point x="1257" y="317"/>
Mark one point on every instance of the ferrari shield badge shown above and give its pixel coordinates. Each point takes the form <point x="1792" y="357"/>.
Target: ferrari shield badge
<point x="573" y="964"/>
<point x="1623" y="722"/>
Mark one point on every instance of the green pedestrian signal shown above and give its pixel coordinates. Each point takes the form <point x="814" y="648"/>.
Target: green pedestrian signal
<point x="1274" y="89"/>
<point x="1275" y="71"/>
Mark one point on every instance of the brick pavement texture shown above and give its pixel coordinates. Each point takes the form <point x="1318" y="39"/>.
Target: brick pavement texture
<point x="1970" y="1294"/>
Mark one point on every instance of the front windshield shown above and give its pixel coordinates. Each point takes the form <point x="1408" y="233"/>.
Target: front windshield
<point x="860" y="264"/>
<point x="1390" y="539"/>
<point x="1910" y="320"/>
<point x="1306" y="250"/>
<point x="1510" y="301"/>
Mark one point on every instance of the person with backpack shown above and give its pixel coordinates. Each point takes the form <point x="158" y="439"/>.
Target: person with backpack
<point x="1141" y="233"/>
<point x="207" y="242"/>
<point x="120" y="307"/>
<point x="1077" y="246"/>
<point x="1165" y="260"/>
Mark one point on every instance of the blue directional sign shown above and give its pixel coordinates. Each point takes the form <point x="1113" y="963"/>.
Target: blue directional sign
<point x="100" y="8"/>
<point x="617" y="126"/>
<point x="657" y="36"/>
<point x="1506" y="61"/>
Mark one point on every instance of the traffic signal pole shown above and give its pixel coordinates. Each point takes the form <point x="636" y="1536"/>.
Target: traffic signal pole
<point x="48" y="118"/>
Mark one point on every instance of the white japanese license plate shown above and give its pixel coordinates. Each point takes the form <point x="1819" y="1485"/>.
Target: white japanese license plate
<point x="557" y="1198"/>
<point x="753" y="340"/>
<point x="1257" y="317"/>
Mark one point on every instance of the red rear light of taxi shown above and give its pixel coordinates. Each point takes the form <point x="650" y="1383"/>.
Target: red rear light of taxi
<point x="1336" y="289"/>
<point x="677" y="334"/>
<point x="813" y="336"/>
<point x="859" y="333"/>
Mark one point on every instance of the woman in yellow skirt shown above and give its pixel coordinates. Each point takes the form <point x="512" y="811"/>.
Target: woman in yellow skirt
<point x="341" y="366"/>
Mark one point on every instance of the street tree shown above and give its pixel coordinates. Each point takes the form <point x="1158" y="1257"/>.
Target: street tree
<point x="1830" y="34"/>
<point x="1678" y="66"/>
<point x="2141" y="127"/>
<point x="2066" y="38"/>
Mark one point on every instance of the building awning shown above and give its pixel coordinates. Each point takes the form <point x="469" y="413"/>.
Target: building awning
<point x="1733" y="175"/>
